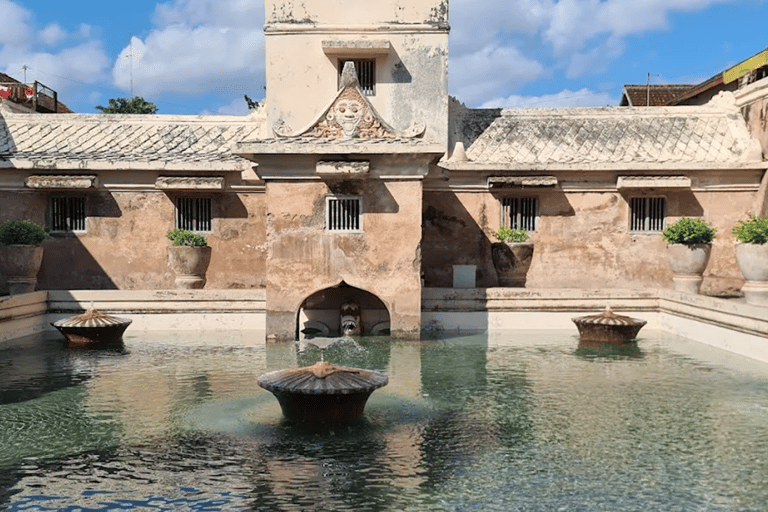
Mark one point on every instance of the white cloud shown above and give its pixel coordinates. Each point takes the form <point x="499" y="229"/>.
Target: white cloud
<point x="16" y="30"/>
<point x="586" y="36"/>
<point x="21" y="44"/>
<point x="575" y="22"/>
<point x="84" y="30"/>
<point x="237" y="107"/>
<point x="596" y="60"/>
<point x="63" y="70"/>
<point x="490" y="71"/>
<point x="475" y="24"/>
<point x="197" y="46"/>
<point x="52" y="35"/>
<point x="565" y="98"/>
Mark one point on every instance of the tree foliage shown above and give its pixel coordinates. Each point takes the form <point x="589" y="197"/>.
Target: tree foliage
<point x="252" y="105"/>
<point x="135" y="105"/>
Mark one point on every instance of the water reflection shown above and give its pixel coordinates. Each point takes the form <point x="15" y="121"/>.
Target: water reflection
<point x="596" y="351"/>
<point x="525" y="422"/>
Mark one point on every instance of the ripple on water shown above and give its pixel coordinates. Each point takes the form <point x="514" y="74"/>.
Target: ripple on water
<point x="526" y="423"/>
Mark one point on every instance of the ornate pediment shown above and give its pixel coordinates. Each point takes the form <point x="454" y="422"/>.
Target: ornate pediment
<point x="350" y="116"/>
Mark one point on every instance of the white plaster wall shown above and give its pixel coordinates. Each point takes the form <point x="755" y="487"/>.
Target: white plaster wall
<point x="411" y="81"/>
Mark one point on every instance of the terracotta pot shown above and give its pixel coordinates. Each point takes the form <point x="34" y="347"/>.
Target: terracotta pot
<point x="20" y="264"/>
<point x="189" y="264"/>
<point x="512" y="261"/>
<point x="688" y="262"/>
<point x="753" y="263"/>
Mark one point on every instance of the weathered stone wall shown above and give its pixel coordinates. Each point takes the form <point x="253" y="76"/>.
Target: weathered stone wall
<point x="411" y="76"/>
<point x="753" y="100"/>
<point x="384" y="259"/>
<point x="124" y="246"/>
<point x="355" y="12"/>
<point x="583" y="239"/>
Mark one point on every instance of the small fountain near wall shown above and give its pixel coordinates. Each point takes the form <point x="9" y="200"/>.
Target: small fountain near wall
<point x="350" y="323"/>
<point x="608" y="327"/>
<point x="323" y="394"/>
<point x="93" y="329"/>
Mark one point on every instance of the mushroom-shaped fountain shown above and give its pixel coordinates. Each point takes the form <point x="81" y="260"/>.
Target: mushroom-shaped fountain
<point x="608" y="327"/>
<point x="92" y="329"/>
<point x="322" y="393"/>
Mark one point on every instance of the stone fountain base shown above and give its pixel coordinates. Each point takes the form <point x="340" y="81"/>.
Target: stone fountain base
<point x="324" y="409"/>
<point x="93" y="329"/>
<point x="322" y="393"/>
<point x="608" y="327"/>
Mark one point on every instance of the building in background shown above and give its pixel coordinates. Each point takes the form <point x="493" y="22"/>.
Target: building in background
<point x="360" y="179"/>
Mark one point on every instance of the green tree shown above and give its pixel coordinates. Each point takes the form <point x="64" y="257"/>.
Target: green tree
<point x="135" y="105"/>
<point x="252" y="105"/>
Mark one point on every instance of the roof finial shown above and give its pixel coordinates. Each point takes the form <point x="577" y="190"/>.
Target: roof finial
<point x="349" y="75"/>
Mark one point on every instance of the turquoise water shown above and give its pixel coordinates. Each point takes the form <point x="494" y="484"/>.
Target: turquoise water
<point x="521" y="420"/>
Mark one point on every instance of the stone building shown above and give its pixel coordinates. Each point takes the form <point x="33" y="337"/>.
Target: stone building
<point x="360" y="180"/>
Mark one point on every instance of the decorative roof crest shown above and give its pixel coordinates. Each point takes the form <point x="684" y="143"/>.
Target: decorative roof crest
<point x="350" y="116"/>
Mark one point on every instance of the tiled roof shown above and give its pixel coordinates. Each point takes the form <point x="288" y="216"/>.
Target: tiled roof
<point x="103" y="141"/>
<point x="311" y="145"/>
<point x="44" y="100"/>
<point x="654" y="136"/>
<point x="655" y="95"/>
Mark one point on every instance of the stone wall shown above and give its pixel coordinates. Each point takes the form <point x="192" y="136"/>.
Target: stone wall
<point x="124" y="246"/>
<point x="383" y="259"/>
<point x="582" y="241"/>
<point x="753" y="100"/>
<point x="407" y="41"/>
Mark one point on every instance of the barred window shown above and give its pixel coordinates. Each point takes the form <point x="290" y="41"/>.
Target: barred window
<point x="366" y="74"/>
<point x="646" y="214"/>
<point x="520" y="213"/>
<point x="343" y="214"/>
<point x="67" y="214"/>
<point x="194" y="214"/>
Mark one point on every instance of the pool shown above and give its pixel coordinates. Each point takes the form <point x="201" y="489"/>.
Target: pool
<point x="509" y="421"/>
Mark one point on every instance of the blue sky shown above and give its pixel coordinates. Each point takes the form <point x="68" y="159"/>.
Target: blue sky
<point x="201" y="56"/>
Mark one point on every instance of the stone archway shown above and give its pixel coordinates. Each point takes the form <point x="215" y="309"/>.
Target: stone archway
<point x="319" y="314"/>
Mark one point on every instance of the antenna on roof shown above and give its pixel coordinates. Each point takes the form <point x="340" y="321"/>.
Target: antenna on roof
<point x="24" y="67"/>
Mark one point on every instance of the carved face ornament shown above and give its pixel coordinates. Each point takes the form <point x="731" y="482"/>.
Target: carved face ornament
<point x="348" y="114"/>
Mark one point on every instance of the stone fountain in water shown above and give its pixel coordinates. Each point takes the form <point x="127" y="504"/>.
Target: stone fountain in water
<point x="323" y="393"/>
<point x="608" y="328"/>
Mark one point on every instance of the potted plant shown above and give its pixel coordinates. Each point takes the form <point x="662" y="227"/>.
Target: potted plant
<point x="690" y="245"/>
<point x="752" y="257"/>
<point x="188" y="256"/>
<point x="512" y="256"/>
<point x="21" y="254"/>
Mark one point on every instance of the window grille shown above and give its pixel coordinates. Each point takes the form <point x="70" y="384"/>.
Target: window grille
<point x="646" y="214"/>
<point x="343" y="214"/>
<point x="366" y="74"/>
<point x="194" y="214"/>
<point x="519" y="213"/>
<point x="67" y="214"/>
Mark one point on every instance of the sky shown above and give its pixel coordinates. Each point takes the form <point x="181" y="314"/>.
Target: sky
<point x="202" y="56"/>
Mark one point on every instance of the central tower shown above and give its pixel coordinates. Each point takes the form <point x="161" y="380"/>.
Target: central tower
<point x="400" y="51"/>
<point x="357" y="105"/>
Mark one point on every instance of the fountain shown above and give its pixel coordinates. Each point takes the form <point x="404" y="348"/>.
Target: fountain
<point x="323" y="393"/>
<point x="92" y="329"/>
<point x="350" y="322"/>
<point x="608" y="327"/>
<point x="179" y="422"/>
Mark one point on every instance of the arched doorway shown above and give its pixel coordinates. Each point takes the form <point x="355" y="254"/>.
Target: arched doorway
<point x="320" y="313"/>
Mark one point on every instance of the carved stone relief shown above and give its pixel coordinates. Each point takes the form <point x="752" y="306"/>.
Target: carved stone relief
<point x="350" y="116"/>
